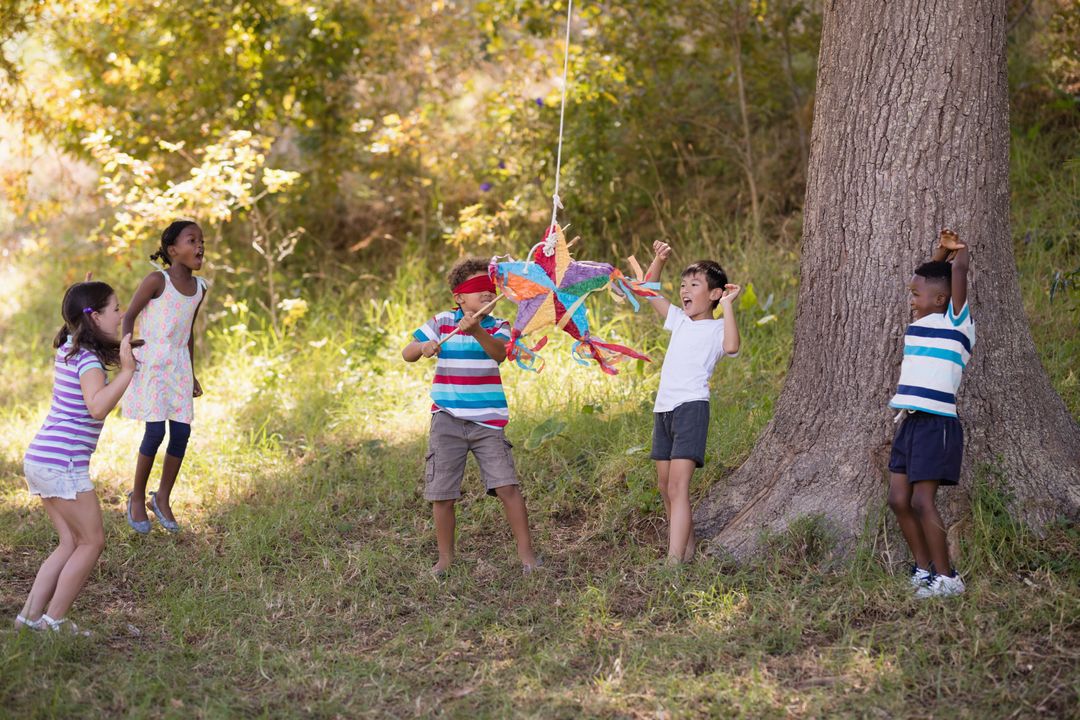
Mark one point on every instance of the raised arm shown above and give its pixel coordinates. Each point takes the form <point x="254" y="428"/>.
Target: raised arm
<point x="949" y="243"/>
<point x="663" y="251"/>
<point x="732" y="341"/>
<point x="151" y="287"/>
<point x="959" y="278"/>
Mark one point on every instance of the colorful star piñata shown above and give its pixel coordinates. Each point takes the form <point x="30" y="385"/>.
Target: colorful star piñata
<point x="550" y="288"/>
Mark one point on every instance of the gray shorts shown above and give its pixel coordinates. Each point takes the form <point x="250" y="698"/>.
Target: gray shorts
<point x="449" y="444"/>
<point x="55" y="481"/>
<point x="680" y="434"/>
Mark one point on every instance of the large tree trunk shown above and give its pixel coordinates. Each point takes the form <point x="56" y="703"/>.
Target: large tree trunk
<point x="910" y="135"/>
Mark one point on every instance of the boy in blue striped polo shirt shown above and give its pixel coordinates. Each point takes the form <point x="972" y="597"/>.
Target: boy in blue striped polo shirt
<point x="929" y="445"/>
<point x="468" y="411"/>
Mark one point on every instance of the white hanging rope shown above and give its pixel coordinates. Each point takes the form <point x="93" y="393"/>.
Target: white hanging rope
<point x="556" y="203"/>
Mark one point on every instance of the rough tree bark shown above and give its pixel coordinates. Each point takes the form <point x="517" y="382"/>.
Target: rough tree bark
<point x="910" y="135"/>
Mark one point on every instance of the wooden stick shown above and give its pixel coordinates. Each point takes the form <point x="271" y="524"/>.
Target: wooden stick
<point x="481" y="311"/>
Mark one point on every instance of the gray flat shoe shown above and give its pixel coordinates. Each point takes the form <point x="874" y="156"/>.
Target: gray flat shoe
<point x="170" y="525"/>
<point x="140" y="526"/>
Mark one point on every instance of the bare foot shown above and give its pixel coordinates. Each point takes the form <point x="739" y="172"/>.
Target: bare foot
<point x="674" y="561"/>
<point x="528" y="568"/>
<point x="691" y="548"/>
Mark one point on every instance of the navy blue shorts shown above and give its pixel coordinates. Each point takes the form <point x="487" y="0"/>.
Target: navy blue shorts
<point x="680" y="434"/>
<point x="928" y="447"/>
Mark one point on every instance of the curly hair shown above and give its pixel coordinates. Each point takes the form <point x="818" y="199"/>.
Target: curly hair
<point x="464" y="269"/>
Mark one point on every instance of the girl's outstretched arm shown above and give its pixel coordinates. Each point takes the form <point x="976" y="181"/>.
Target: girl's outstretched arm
<point x="100" y="397"/>
<point x="151" y="287"/>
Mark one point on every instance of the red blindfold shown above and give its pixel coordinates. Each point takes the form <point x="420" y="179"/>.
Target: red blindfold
<point x="480" y="283"/>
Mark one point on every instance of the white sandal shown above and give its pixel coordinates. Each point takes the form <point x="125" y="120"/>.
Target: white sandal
<point x="63" y="625"/>
<point x="22" y="622"/>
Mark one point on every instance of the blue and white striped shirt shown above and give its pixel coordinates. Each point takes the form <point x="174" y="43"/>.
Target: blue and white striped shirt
<point x="937" y="348"/>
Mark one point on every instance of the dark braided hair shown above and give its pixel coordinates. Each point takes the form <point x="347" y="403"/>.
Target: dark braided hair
<point x="714" y="275"/>
<point x="80" y="300"/>
<point x="169" y="238"/>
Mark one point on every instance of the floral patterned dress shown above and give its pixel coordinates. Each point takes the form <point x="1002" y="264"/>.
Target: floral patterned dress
<point x="163" y="382"/>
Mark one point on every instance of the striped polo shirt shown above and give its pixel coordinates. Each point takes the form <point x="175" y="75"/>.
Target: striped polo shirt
<point x="467" y="383"/>
<point x="936" y="350"/>
<point x="69" y="435"/>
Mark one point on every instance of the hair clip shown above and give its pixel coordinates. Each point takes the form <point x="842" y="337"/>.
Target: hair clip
<point x="88" y="310"/>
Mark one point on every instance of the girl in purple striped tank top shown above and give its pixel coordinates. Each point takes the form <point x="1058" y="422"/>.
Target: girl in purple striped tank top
<point x="57" y="462"/>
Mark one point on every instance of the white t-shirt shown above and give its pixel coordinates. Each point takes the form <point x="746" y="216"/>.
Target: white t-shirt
<point x="695" y="347"/>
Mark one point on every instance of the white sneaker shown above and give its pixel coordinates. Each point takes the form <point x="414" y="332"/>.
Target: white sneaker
<point x="941" y="586"/>
<point x="919" y="578"/>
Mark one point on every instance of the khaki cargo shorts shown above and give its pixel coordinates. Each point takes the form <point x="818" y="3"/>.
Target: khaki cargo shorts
<point x="449" y="444"/>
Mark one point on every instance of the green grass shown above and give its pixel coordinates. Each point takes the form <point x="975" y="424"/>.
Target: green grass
<point x="299" y="587"/>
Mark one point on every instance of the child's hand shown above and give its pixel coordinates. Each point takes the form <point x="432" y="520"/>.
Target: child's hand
<point x="661" y="249"/>
<point x="430" y="348"/>
<point x="950" y="241"/>
<point x="731" y="291"/>
<point x="196" y="388"/>
<point x="470" y="324"/>
<point x="127" y="358"/>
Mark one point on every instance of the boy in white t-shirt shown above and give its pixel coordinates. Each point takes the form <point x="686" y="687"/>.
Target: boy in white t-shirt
<point x="681" y="412"/>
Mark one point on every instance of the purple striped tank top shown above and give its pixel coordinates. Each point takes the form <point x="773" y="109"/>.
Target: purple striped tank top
<point x="69" y="434"/>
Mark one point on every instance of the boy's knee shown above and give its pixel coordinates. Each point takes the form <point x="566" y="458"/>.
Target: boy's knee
<point x="900" y="502"/>
<point x="922" y="505"/>
<point x="678" y="484"/>
<point x="508" y="492"/>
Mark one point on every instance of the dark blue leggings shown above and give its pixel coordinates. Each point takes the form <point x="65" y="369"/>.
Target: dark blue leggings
<point x="155" y="432"/>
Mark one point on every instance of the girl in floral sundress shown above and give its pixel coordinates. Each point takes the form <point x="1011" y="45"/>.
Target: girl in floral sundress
<point x="165" y="383"/>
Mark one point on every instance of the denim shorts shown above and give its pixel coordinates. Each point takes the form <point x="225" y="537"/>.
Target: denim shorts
<point x="54" y="481"/>
<point x="680" y="434"/>
<point x="928" y="447"/>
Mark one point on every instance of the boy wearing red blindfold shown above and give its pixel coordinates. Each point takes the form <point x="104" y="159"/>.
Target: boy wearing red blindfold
<point x="468" y="411"/>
